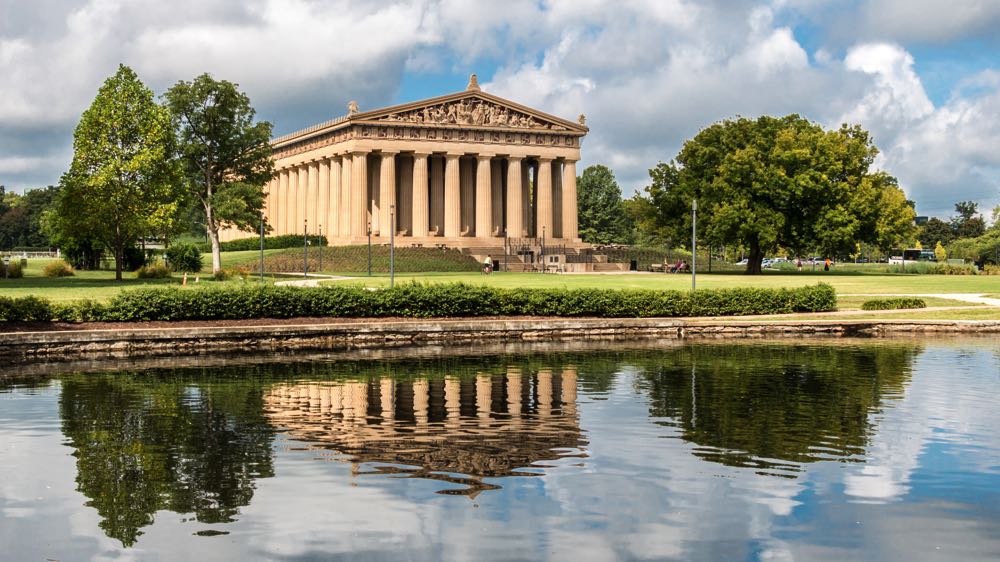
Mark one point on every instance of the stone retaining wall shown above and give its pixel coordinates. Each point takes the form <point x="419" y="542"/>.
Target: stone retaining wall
<point x="50" y="346"/>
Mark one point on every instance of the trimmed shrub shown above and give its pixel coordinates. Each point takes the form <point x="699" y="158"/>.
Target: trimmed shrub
<point x="184" y="258"/>
<point x="14" y="269"/>
<point x="413" y="300"/>
<point x="156" y="270"/>
<point x="270" y="243"/>
<point x="893" y="304"/>
<point x="58" y="268"/>
<point x="933" y="269"/>
<point x="25" y="309"/>
<point x="990" y="269"/>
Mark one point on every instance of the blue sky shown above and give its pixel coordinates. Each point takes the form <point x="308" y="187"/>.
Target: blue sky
<point x="922" y="75"/>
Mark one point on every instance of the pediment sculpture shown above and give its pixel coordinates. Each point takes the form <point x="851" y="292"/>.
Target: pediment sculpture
<point x="471" y="112"/>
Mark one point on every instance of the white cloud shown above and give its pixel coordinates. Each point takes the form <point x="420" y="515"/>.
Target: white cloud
<point x="647" y="73"/>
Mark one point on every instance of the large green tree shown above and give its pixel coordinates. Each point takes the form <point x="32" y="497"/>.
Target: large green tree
<point x="769" y="182"/>
<point x="933" y="231"/>
<point x="122" y="184"/>
<point x="225" y="154"/>
<point x="969" y="223"/>
<point x="21" y="217"/>
<point x="603" y="219"/>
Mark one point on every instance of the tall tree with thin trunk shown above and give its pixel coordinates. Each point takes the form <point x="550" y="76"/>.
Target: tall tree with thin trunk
<point x="226" y="156"/>
<point x="123" y="179"/>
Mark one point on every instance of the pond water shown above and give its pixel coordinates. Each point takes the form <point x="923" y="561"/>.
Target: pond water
<point x="863" y="450"/>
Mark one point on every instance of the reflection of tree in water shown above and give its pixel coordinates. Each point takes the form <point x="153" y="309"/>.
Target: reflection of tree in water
<point x="457" y="429"/>
<point x="772" y="407"/>
<point x="157" y="441"/>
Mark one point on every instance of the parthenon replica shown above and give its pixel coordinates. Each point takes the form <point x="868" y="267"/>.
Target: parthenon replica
<point x="465" y="170"/>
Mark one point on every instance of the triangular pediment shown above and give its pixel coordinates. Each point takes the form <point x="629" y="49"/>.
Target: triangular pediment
<point x="469" y="109"/>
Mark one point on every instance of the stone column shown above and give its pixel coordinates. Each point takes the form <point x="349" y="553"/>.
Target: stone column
<point x="404" y="202"/>
<point x="543" y="226"/>
<point x="484" y="396"/>
<point x="333" y="211"/>
<point x="312" y="198"/>
<point x="515" y="200"/>
<point x="421" y="400"/>
<point x="496" y="189"/>
<point x="468" y="195"/>
<point x="557" y="199"/>
<point x="280" y="213"/>
<point x="293" y="201"/>
<point x="484" y="197"/>
<point x="569" y="390"/>
<point x="302" y="196"/>
<point x="436" y="197"/>
<point x="387" y="192"/>
<point x="569" y="214"/>
<point x="527" y="199"/>
<point x="453" y="402"/>
<point x="544" y="390"/>
<point x="346" y="170"/>
<point x="514" y="388"/>
<point x="387" y="399"/>
<point x="323" y="195"/>
<point x="452" y="197"/>
<point x="421" y="201"/>
<point x="359" y="194"/>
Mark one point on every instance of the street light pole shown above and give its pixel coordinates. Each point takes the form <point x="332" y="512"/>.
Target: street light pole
<point x="392" y="245"/>
<point x="319" y="268"/>
<point x="305" y="249"/>
<point x="694" y="243"/>
<point x="369" y="248"/>
<point x="262" y="245"/>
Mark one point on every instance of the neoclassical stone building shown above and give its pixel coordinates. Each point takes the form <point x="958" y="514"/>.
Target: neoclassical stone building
<point x="463" y="170"/>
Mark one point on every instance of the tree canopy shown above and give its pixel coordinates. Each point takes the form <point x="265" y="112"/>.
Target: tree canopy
<point x="122" y="184"/>
<point x="769" y="182"/>
<point x="603" y="219"/>
<point x="226" y="156"/>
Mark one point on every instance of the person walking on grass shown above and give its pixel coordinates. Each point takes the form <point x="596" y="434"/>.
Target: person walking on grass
<point x="826" y="265"/>
<point x="798" y="263"/>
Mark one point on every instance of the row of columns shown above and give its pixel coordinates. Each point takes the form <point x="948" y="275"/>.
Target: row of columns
<point x="450" y="195"/>
<point x="545" y="393"/>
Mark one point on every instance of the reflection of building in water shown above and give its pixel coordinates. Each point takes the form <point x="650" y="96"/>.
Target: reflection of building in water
<point x="482" y="426"/>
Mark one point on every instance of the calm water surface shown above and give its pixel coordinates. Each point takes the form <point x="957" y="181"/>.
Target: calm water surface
<point x="880" y="450"/>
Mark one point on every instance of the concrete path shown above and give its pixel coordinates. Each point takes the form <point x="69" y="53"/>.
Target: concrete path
<point x="312" y="280"/>
<point x="977" y="298"/>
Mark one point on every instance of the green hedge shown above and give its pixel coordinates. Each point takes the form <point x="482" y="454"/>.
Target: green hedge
<point x="419" y="301"/>
<point x="893" y="304"/>
<point x="270" y="243"/>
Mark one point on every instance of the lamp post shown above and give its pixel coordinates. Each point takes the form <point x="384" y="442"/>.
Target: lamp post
<point x="369" y="248"/>
<point x="262" y="246"/>
<point x="543" y="249"/>
<point x="305" y="249"/>
<point x="392" y="245"/>
<point x="319" y="268"/>
<point x="694" y="243"/>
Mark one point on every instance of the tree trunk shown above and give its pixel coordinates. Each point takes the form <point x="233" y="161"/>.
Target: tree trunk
<point x="213" y="236"/>
<point x="119" y="257"/>
<point x="755" y="258"/>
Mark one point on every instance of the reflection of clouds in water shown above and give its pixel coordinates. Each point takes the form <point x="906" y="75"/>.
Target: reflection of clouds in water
<point x="956" y="409"/>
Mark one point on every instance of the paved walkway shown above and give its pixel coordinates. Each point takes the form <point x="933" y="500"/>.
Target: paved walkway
<point x="312" y="280"/>
<point x="977" y="298"/>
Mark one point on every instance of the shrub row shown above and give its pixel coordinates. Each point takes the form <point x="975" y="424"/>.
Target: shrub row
<point x="418" y="301"/>
<point x="933" y="269"/>
<point x="893" y="304"/>
<point x="270" y="243"/>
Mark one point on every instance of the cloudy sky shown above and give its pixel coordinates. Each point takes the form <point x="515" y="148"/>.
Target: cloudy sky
<point x="922" y="75"/>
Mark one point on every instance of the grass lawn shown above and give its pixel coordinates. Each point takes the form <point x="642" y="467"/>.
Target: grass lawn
<point x="854" y="303"/>
<point x="844" y="283"/>
<point x="95" y="285"/>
